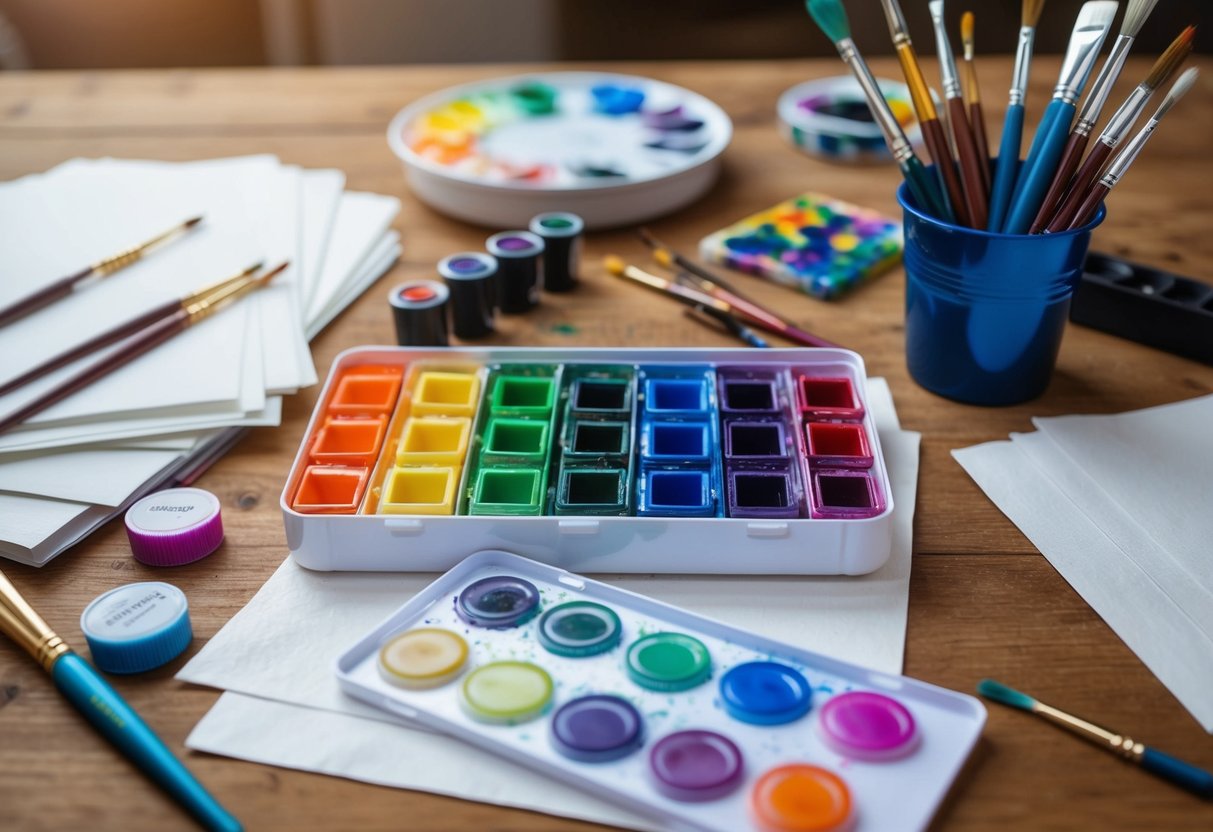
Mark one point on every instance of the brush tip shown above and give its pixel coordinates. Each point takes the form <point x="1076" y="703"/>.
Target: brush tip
<point x="999" y="692"/>
<point x="192" y="221"/>
<point x="831" y="17"/>
<point x="967" y="21"/>
<point x="1096" y="13"/>
<point x="274" y="272"/>
<point x="1029" y="13"/>
<point x="1135" y="15"/>
<point x="663" y="257"/>
<point x="1169" y="61"/>
<point x="1182" y="84"/>
<point x="613" y="264"/>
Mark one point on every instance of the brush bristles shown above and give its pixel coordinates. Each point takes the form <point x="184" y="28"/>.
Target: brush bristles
<point x="1135" y="16"/>
<point x="967" y="22"/>
<point x="1181" y="86"/>
<point x="1168" y="62"/>
<point x="1007" y="696"/>
<point x="614" y="265"/>
<point x="831" y="17"/>
<point x="1030" y="12"/>
<point x="1096" y="13"/>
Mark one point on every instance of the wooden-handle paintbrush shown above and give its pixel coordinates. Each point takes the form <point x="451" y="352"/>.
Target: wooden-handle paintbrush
<point x="962" y="134"/>
<point x="694" y="297"/>
<point x="832" y="20"/>
<point x="1135" y="16"/>
<point x="1119" y="126"/>
<point x="1012" y="126"/>
<point x="972" y="94"/>
<point x="1172" y="769"/>
<point x="85" y="277"/>
<point x="118" y="333"/>
<point x="139" y="344"/>
<point x="1090" y="29"/>
<point x="1116" y="171"/>
<point x="928" y="118"/>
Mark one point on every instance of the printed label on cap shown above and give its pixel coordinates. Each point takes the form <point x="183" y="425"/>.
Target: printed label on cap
<point x="133" y="611"/>
<point x="177" y="508"/>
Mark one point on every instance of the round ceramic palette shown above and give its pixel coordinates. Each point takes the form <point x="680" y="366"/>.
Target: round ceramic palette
<point x="613" y="149"/>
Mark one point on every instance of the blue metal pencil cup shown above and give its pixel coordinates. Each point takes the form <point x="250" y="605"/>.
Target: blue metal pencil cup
<point x="985" y="312"/>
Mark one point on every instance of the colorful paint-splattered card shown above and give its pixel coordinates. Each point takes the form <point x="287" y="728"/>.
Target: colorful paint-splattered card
<point x="820" y="245"/>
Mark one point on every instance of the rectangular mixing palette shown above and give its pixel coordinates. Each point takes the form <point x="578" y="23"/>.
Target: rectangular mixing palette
<point x="621" y="460"/>
<point x="687" y="721"/>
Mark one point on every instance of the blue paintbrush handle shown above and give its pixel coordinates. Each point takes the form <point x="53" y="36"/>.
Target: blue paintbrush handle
<point x="1008" y="160"/>
<point x="1038" y="172"/>
<point x="101" y="705"/>
<point x="1183" y="774"/>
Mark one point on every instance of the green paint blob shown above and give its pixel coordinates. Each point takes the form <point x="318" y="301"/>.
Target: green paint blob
<point x="668" y="662"/>
<point x="579" y="628"/>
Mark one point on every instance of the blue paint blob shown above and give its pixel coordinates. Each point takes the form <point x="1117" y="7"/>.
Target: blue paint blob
<point x="765" y="693"/>
<point x="615" y="100"/>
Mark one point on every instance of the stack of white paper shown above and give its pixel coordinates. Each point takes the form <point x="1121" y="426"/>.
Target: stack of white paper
<point x="1122" y="506"/>
<point x="76" y="464"/>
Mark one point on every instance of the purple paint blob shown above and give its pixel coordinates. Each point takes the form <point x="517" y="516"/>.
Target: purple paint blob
<point x="595" y="729"/>
<point x="515" y="243"/>
<point x="499" y="602"/>
<point x="867" y="726"/>
<point x="696" y="765"/>
<point x="465" y="265"/>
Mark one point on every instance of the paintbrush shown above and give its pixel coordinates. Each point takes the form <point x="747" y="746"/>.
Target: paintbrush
<point x="694" y="297"/>
<point x="87" y="276"/>
<point x="1116" y="171"/>
<point x="832" y="19"/>
<point x="140" y="343"/>
<point x="1094" y="20"/>
<point x="1135" y="16"/>
<point x="972" y="183"/>
<point x="1119" y="125"/>
<point x="106" y="711"/>
<point x="928" y="119"/>
<point x="120" y="332"/>
<point x="669" y="258"/>
<point x="972" y="94"/>
<point x="1012" y="126"/>
<point x="711" y="317"/>
<point x="1172" y="769"/>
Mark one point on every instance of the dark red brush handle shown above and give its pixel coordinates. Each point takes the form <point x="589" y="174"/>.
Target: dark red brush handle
<point x="1086" y="176"/>
<point x="1059" y="189"/>
<point x="45" y="296"/>
<point x="941" y="154"/>
<point x="105" y="339"/>
<point x="150" y="338"/>
<point x="1086" y="211"/>
<point x="978" y="122"/>
<point x="970" y="167"/>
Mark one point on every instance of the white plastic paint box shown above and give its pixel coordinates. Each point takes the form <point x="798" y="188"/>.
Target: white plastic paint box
<point x="598" y="460"/>
<point x="688" y="721"/>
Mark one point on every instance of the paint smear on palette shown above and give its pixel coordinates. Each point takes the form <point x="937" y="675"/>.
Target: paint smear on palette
<point x="820" y="245"/>
<point x="559" y="135"/>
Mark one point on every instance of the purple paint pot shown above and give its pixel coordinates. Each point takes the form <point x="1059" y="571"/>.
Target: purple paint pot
<point x="596" y="729"/>
<point x="498" y="603"/>
<point x="867" y="726"/>
<point x="520" y="272"/>
<point x="695" y="766"/>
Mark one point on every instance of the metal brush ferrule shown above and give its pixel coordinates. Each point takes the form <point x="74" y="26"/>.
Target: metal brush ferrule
<point x="894" y="136"/>
<point x="1124" y="117"/>
<point x="22" y="624"/>
<point x="1023" y="60"/>
<point x="119" y="261"/>
<point x="1128" y="748"/>
<point x="1080" y="57"/>
<point x="1102" y="88"/>
<point x="897" y="21"/>
<point x="1125" y="158"/>
<point x="947" y="61"/>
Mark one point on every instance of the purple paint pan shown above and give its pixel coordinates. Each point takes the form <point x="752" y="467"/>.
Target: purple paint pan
<point x="762" y="494"/>
<point x="839" y="493"/>
<point x="597" y="729"/>
<point x="755" y="442"/>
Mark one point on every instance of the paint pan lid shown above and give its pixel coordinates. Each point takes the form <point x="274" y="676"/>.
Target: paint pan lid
<point x="514" y="244"/>
<point x="137" y="627"/>
<point x="557" y="224"/>
<point x="467" y="265"/>
<point x="419" y="294"/>
<point x="174" y="527"/>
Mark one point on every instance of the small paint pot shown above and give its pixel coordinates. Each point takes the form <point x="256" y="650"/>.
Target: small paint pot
<point x="427" y="657"/>
<point x="137" y="627"/>
<point x="668" y="662"/>
<point x="470" y="276"/>
<point x="419" y="312"/>
<point x="506" y="693"/>
<point x="174" y="527"/>
<point x="498" y="603"/>
<point x="520" y="274"/>
<point x="867" y="726"/>
<point x="694" y="766"/>
<point x="765" y="693"/>
<point x="801" y="798"/>
<point x="579" y="628"/>
<point x="561" y="233"/>
<point x="597" y="729"/>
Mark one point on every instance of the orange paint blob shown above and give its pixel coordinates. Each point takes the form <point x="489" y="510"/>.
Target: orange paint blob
<point x="800" y="798"/>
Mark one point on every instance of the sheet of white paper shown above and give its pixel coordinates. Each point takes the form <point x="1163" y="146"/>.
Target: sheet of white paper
<point x="102" y="477"/>
<point x="857" y="619"/>
<point x="1168" y="641"/>
<point x="27" y="521"/>
<point x="361" y="222"/>
<point x="321" y="195"/>
<point x="384" y="255"/>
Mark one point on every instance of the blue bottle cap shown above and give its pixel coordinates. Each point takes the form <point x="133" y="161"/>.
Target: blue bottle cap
<point x="137" y="627"/>
<point x="765" y="693"/>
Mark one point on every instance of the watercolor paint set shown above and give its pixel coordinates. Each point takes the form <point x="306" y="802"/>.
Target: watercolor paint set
<point x="685" y="720"/>
<point x="607" y="460"/>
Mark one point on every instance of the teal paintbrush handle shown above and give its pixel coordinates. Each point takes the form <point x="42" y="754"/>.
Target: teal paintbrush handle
<point x="924" y="188"/>
<point x="1008" y="161"/>
<point x="1182" y="774"/>
<point x="1038" y="170"/>
<point x="115" y="720"/>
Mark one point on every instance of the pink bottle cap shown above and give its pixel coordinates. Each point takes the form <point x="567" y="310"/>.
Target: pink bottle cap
<point x="174" y="527"/>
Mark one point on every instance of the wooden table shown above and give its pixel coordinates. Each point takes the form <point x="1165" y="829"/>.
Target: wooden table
<point x="983" y="601"/>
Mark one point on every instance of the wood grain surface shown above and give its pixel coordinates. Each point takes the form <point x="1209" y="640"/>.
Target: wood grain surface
<point x="983" y="602"/>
